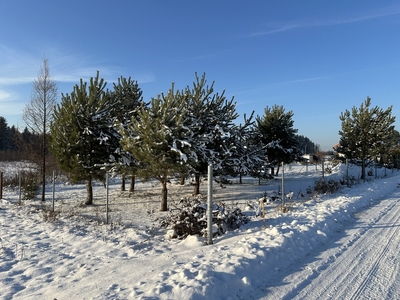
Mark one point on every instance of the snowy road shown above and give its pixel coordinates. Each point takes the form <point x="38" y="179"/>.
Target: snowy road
<point x="361" y="263"/>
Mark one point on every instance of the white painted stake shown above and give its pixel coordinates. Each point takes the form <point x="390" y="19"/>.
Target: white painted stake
<point x="107" y="197"/>
<point x="53" y="187"/>
<point x="20" y="187"/>
<point x="283" y="186"/>
<point x="209" y="205"/>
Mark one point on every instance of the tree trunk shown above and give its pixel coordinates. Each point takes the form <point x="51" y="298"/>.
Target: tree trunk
<point x="272" y="171"/>
<point x="182" y="180"/>
<point x="123" y="184"/>
<point x="277" y="171"/>
<point x="164" y="203"/>
<point x="363" y="169"/>
<point x="1" y="185"/>
<point x="196" y="184"/>
<point x="132" y="186"/>
<point x="89" y="189"/>
<point x="44" y="163"/>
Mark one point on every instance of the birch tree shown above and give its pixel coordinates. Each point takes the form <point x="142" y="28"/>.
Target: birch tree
<point x="38" y="113"/>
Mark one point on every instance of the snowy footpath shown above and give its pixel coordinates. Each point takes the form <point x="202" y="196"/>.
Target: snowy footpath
<point x="341" y="246"/>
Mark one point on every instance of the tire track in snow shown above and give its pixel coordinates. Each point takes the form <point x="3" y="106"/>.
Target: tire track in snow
<point x="379" y="256"/>
<point x="353" y="273"/>
<point x="360" y="265"/>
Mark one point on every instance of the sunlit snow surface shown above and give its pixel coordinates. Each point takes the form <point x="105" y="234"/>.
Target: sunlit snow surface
<point x="311" y="252"/>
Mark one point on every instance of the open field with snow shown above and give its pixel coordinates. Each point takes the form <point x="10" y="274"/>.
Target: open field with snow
<point x="77" y="256"/>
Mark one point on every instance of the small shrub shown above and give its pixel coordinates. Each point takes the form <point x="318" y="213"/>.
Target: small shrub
<point x="48" y="214"/>
<point x="283" y="208"/>
<point x="30" y="186"/>
<point x="326" y="186"/>
<point x="309" y="190"/>
<point x="189" y="218"/>
<point x="350" y="181"/>
<point x="274" y="196"/>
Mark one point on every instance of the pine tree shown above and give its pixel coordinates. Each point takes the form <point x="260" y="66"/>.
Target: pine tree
<point x="366" y="132"/>
<point x="214" y="136"/>
<point x="246" y="155"/>
<point x="128" y="98"/>
<point x="5" y="142"/>
<point x="249" y="151"/>
<point x="157" y="141"/>
<point x="278" y="135"/>
<point x="80" y="132"/>
<point x="394" y="152"/>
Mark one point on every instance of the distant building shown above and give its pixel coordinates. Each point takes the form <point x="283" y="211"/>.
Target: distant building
<point x="309" y="158"/>
<point x="335" y="149"/>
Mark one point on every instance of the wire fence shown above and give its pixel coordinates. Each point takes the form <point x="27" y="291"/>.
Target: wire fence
<point x="145" y="201"/>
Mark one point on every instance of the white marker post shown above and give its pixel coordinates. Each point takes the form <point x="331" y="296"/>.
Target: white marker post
<point x="209" y="205"/>
<point x="20" y="187"/>
<point x="107" y="197"/>
<point x="1" y="185"/>
<point x="283" y="187"/>
<point x="53" y="187"/>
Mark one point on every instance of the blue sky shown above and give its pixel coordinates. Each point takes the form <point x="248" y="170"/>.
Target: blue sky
<point x="315" y="58"/>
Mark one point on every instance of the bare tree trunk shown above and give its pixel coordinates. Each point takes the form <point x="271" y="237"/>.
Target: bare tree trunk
<point x="196" y="184"/>
<point x="89" y="189"/>
<point x="1" y="185"/>
<point x="44" y="162"/>
<point x="164" y="203"/>
<point x="38" y="112"/>
<point x="182" y="180"/>
<point x="132" y="185"/>
<point x="277" y="171"/>
<point x="123" y="183"/>
<point x="363" y="169"/>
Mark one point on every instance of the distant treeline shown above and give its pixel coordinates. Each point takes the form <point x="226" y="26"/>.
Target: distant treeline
<point x="16" y="145"/>
<point x="306" y="145"/>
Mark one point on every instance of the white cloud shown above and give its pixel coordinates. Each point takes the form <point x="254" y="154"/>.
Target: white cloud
<point x="15" y="80"/>
<point x="273" y="84"/>
<point x="17" y="67"/>
<point x="20" y="67"/>
<point x="276" y="28"/>
<point x="4" y="96"/>
<point x="10" y="106"/>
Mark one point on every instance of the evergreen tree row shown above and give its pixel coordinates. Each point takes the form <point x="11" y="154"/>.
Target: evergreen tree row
<point x="176" y="134"/>
<point x="179" y="133"/>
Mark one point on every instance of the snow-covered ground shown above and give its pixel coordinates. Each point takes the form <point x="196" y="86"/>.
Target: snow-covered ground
<point x="341" y="246"/>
